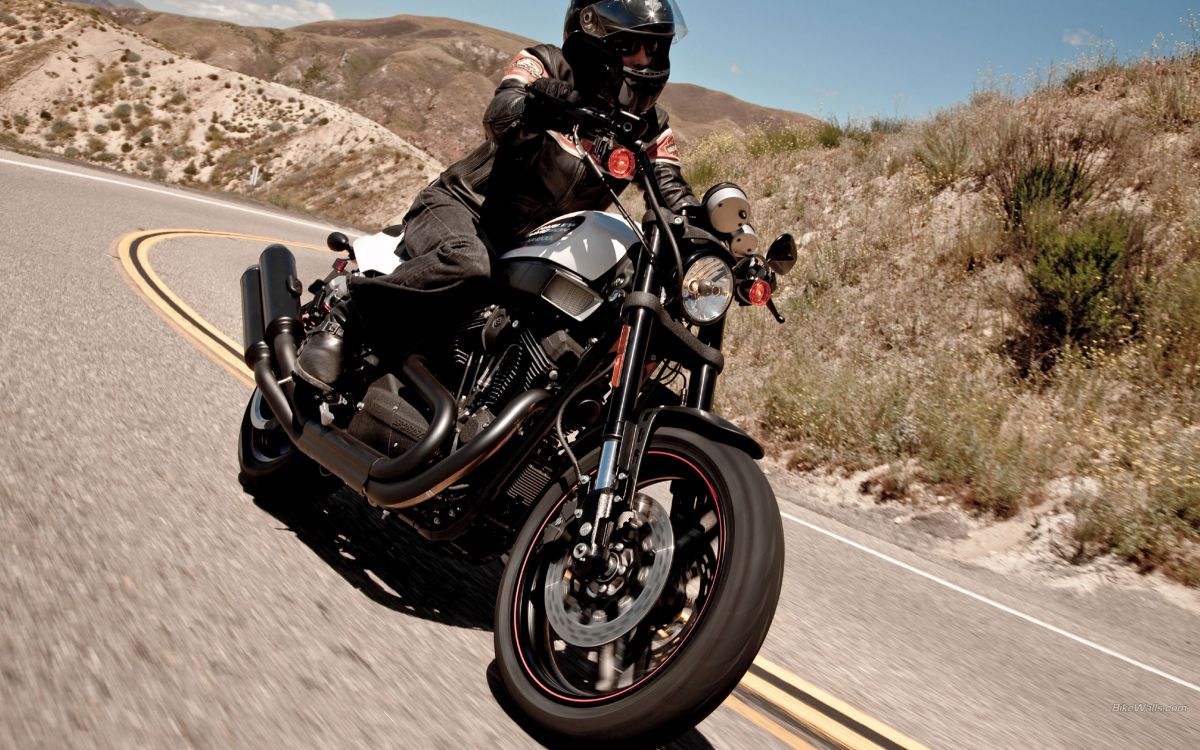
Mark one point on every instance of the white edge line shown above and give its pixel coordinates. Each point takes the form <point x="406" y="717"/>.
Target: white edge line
<point x="162" y="191"/>
<point x="992" y="603"/>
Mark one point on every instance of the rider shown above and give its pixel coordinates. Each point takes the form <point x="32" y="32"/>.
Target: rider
<point x="525" y="174"/>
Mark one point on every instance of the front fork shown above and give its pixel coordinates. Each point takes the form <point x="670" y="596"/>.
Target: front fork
<point x="611" y="492"/>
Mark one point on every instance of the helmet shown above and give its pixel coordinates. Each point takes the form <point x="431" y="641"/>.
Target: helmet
<point x="618" y="28"/>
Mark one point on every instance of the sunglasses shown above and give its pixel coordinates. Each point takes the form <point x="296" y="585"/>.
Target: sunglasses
<point x="629" y="44"/>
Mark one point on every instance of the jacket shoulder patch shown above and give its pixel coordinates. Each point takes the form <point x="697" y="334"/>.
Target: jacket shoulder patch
<point x="525" y="68"/>
<point x="664" y="148"/>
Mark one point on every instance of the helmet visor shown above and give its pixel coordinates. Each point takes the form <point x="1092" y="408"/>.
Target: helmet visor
<point x="657" y="17"/>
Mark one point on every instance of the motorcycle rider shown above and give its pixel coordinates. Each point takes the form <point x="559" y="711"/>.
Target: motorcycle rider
<point x="525" y="174"/>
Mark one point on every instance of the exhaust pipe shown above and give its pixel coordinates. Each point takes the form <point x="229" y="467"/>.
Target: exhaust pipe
<point x="254" y="334"/>
<point x="281" y="289"/>
<point x="412" y="492"/>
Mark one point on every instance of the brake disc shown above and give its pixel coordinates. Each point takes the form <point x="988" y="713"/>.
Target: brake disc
<point x="575" y="625"/>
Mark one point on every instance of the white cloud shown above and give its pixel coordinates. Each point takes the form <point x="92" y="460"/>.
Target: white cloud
<point x="735" y="69"/>
<point x="251" y="13"/>
<point x="1079" y="38"/>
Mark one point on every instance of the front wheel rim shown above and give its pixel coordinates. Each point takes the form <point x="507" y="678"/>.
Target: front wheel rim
<point x="591" y="675"/>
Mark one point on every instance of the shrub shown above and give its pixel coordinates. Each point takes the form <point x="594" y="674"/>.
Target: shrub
<point x="190" y="170"/>
<point x="887" y="125"/>
<point x="275" y="127"/>
<point x="8" y="19"/>
<point x="830" y="134"/>
<point x="122" y="111"/>
<point x="101" y="128"/>
<point x="1087" y="284"/>
<point x="62" y="129"/>
<point x="1173" y="99"/>
<point x="130" y="56"/>
<point x="1172" y="323"/>
<point x="1052" y="185"/>
<point x="944" y="153"/>
<point x="779" y="139"/>
<point x="20" y="121"/>
<point x="1033" y="166"/>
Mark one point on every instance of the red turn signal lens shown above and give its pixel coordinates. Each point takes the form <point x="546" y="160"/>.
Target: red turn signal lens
<point x="340" y="264"/>
<point x="760" y="293"/>
<point x="621" y="164"/>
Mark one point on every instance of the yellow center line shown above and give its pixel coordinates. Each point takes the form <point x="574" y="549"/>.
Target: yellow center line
<point x="133" y="252"/>
<point x="760" y="720"/>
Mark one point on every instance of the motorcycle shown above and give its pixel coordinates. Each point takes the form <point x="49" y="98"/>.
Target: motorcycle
<point x="566" y="424"/>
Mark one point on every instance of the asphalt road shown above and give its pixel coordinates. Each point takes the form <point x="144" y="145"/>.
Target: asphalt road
<point x="146" y="601"/>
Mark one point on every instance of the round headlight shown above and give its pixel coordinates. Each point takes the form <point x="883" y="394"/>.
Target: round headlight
<point x="707" y="290"/>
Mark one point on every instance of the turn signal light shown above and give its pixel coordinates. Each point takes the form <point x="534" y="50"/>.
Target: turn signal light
<point x="621" y="163"/>
<point x="760" y="293"/>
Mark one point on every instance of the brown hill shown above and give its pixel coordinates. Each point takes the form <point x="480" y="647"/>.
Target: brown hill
<point x="76" y="85"/>
<point x="426" y="79"/>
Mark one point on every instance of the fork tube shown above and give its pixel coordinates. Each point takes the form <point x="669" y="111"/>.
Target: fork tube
<point x="639" y="322"/>
<point x="702" y="384"/>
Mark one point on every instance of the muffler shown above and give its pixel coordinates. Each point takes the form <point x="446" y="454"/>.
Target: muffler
<point x="254" y="333"/>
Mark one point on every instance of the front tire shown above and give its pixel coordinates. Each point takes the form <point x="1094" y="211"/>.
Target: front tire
<point x="272" y="468"/>
<point x="690" y="647"/>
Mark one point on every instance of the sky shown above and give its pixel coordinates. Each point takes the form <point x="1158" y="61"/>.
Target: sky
<point x="851" y="60"/>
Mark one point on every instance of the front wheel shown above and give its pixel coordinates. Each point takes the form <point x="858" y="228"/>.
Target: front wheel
<point x="648" y="647"/>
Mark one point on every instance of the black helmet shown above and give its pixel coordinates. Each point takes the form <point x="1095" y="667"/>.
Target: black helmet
<point x="621" y="27"/>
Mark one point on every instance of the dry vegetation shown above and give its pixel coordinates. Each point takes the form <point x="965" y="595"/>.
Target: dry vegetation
<point x="1002" y="304"/>
<point x="75" y="84"/>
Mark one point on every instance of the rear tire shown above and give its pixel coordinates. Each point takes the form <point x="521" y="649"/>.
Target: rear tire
<point x="664" y="692"/>
<point x="272" y="468"/>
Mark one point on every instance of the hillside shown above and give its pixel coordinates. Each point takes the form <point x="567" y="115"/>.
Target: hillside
<point x="997" y="309"/>
<point x="76" y="85"/>
<point x="427" y="79"/>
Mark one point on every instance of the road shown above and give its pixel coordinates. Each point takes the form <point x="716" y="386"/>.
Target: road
<point x="146" y="601"/>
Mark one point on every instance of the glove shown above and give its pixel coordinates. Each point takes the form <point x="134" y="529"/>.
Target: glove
<point x="546" y="101"/>
<point x="554" y="88"/>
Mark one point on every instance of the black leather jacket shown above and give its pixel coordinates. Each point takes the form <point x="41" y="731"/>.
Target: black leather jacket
<point x="519" y="179"/>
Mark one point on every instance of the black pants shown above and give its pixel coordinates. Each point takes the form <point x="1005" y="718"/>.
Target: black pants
<point x="447" y="260"/>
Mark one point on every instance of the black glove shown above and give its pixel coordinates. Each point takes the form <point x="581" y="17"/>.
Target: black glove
<point x="546" y="103"/>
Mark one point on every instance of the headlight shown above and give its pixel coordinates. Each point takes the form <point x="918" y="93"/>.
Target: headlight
<point x="707" y="290"/>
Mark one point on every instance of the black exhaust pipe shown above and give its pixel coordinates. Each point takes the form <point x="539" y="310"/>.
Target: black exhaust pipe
<point x="445" y="412"/>
<point x="281" y="289"/>
<point x="416" y="490"/>
<point x="254" y="334"/>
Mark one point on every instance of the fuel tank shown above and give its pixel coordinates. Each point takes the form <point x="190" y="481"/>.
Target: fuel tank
<point x="590" y="244"/>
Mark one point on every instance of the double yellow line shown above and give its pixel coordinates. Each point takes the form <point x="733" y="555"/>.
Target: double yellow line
<point x="798" y="714"/>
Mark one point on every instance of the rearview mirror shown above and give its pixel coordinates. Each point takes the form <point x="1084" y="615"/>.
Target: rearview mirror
<point x="782" y="255"/>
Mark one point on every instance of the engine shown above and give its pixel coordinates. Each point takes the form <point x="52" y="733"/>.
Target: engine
<point x="496" y="358"/>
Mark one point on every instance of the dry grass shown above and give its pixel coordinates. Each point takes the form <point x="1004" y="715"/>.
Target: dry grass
<point x="931" y="250"/>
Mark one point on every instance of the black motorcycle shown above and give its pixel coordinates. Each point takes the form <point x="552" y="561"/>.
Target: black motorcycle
<point x="567" y="423"/>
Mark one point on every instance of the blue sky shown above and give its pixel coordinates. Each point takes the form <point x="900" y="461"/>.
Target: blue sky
<point x="851" y="60"/>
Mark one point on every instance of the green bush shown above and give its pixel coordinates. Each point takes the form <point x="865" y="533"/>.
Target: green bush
<point x="1172" y="322"/>
<point x="830" y="134"/>
<point x="159" y="174"/>
<point x="779" y="139"/>
<point x="122" y="111"/>
<point x="1087" y="284"/>
<point x="944" y="154"/>
<point x="130" y="57"/>
<point x="101" y="128"/>
<point x="887" y="125"/>
<point x="1053" y="184"/>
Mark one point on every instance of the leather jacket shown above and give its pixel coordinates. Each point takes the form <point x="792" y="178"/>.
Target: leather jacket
<point x="521" y="178"/>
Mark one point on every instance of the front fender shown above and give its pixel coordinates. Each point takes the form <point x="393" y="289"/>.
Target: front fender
<point x="701" y="422"/>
